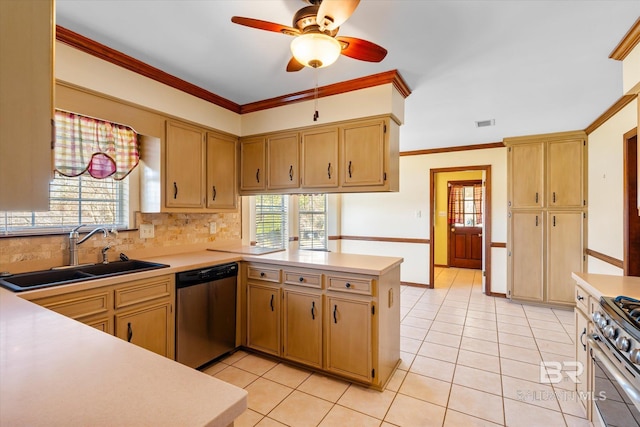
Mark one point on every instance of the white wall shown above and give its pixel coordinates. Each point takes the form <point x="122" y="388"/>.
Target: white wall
<point x="394" y="214"/>
<point x="605" y="213"/>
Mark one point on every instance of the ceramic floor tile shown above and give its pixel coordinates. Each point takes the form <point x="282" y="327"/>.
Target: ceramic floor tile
<point x="324" y="387"/>
<point x="458" y="419"/>
<point x="446" y="328"/>
<point x="264" y="395"/>
<point x="237" y="377"/>
<point x="481" y="323"/>
<point x="477" y="360"/>
<point x="576" y="421"/>
<point x="438" y="351"/>
<point x="409" y="345"/>
<point x="396" y="380"/>
<point x="512" y="320"/>
<point x="443" y="338"/>
<point x="450" y="318"/>
<point x="412" y="332"/>
<point x="568" y="350"/>
<point x="215" y="368"/>
<point x="234" y="357"/>
<point x="555" y="336"/>
<point x="522" y="370"/>
<point x="532" y="393"/>
<point x="478" y="379"/>
<point x="478" y="333"/>
<point x="517" y="340"/>
<point x="301" y="410"/>
<point x="426" y="388"/>
<point x="570" y="404"/>
<point x="268" y="422"/>
<point x="339" y="416"/>
<point x="287" y="375"/>
<point x="480" y="346"/>
<point x="255" y="364"/>
<point x="416" y="322"/>
<point x="516" y="329"/>
<point x="423" y="314"/>
<point x="433" y="368"/>
<point x="551" y="325"/>
<point x="519" y="353"/>
<point x="476" y="403"/>
<point x="519" y="414"/>
<point x="408" y="411"/>
<point x="248" y="418"/>
<point x="367" y="401"/>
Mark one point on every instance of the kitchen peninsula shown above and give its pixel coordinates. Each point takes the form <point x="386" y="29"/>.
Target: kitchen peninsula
<point x="56" y="371"/>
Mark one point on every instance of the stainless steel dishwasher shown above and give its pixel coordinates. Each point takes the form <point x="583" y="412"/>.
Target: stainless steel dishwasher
<point x="206" y="314"/>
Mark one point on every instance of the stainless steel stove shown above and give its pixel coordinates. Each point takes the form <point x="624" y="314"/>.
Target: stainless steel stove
<point x="615" y="349"/>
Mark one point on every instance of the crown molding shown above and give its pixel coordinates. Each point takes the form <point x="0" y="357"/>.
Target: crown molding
<point x="628" y="42"/>
<point x="611" y="111"/>
<point x="453" y="149"/>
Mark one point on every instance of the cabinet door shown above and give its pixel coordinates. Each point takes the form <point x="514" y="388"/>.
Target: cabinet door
<point x="221" y="172"/>
<point x="526" y="171"/>
<point x="349" y="337"/>
<point x="252" y="162"/>
<point x="302" y="332"/>
<point x="566" y="173"/>
<point x="149" y="327"/>
<point x="363" y="155"/>
<point x="564" y="254"/>
<point x="27" y="36"/>
<point x="283" y="156"/>
<point x="582" y="357"/>
<point x="185" y="166"/>
<point x="526" y="256"/>
<point x="263" y="318"/>
<point x="320" y="158"/>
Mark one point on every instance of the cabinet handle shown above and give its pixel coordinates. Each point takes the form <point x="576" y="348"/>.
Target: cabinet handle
<point x="536" y="197"/>
<point x="349" y="168"/>
<point x="262" y="274"/>
<point x="335" y="314"/>
<point x="301" y="279"/>
<point x="554" y="220"/>
<point x="129" y="332"/>
<point x="313" y="308"/>
<point x="536" y="220"/>
<point x="213" y="190"/>
<point x="175" y="190"/>
<point x="271" y="303"/>
<point x="329" y="170"/>
<point x="291" y="173"/>
<point x="584" y="332"/>
<point x="258" y="175"/>
<point x="554" y="197"/>
<point x="580" y="297"/>
<point x="348" y="285"/>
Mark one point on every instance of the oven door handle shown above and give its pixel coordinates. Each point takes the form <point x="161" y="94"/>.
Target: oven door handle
<point x="633" y="394"/>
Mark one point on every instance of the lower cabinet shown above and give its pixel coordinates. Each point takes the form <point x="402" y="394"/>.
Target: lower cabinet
<point x="263" y="318"/>
<point x="139" y="311"/>
<point x="349" y="337"/>
<point x="585" y="305"/>
<point x="302" y="327"/>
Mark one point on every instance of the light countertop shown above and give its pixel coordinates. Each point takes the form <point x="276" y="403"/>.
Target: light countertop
<point x="600" y="285"/>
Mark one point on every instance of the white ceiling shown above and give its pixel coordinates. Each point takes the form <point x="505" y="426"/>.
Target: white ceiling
<point x="533" y="66"/>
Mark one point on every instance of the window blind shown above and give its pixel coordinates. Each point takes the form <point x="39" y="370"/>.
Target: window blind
<point x="312" y="221"/>
<point x="271" y="221"/>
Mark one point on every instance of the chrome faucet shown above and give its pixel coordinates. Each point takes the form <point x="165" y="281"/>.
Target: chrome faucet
<point x="74" y="242"/>
<point x="105" y="257"/>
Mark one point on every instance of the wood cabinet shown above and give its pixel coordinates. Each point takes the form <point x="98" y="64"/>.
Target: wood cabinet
<point x="353" y="156"/>
<point x="283" y="155"/>
<point x="221" y="186"/>
<point x="585" y="304"/>
<point x="139" y="311"/>
<point x="252" y="164"/>
<point x="319" y="158"/>
<point x="342" y="323"/>
<point x="27" y="35"/>
<point x="547" y="216"/>
<point x="185" y="166"/>
<point x="349" y="337"/>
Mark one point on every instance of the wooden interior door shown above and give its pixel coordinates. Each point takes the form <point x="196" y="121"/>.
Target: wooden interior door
<point x="465" y="247"/>
<point x="631" y="215"/>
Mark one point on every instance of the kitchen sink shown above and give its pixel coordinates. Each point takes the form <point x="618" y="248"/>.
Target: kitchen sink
<point x="46" y="278"/>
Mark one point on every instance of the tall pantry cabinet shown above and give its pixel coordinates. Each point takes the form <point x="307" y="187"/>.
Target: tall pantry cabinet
<point x="547" y="201"/>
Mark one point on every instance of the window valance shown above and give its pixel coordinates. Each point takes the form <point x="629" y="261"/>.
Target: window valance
<point x="97" y="147"/>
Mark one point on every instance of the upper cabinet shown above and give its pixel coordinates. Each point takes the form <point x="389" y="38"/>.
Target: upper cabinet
<point x="566" y="173"/>
<point x="26" y="104"/>
<point x="185" y="166"/>
<point x="527" y="167"/>
<point x="221" y="171"/>
<point x="354" y="156"/>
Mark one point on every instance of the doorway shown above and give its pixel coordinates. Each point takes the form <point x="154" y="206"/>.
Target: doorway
<point x="464" y="223"/>
<point x="631" y="261"/>
<point x="485" y="234"/>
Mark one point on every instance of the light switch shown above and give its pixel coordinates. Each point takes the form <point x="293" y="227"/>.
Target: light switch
<point x="212" y="228"/>
<point x="147" y="231"/>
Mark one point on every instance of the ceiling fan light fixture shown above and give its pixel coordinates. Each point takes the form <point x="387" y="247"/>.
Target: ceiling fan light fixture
<point x="315" y="50"/>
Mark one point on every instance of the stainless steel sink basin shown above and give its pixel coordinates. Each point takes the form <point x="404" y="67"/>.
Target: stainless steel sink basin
<point x="46" y="278"/>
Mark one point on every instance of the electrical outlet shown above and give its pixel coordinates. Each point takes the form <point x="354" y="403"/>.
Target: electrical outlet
<point x="147" y="231"/>
<point x="212" y="228"/>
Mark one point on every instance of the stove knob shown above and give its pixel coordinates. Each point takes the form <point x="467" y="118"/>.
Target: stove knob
<point x="602" y="322"/>
<point x="623" y="343"/>
<point x="610" y="332"/>
<point x="634" y="356"/>
<point x="596" y="316"/>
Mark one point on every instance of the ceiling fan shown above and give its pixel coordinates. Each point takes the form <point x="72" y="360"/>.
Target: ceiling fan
<point x="315" y="28"/>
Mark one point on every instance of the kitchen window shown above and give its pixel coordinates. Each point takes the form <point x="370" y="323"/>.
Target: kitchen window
<point x="312" y="221"/>
<point x="271" y="221"/>
<point x="74" y="201"/>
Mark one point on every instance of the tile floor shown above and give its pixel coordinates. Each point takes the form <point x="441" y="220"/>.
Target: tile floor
<point x="467" y="360"/>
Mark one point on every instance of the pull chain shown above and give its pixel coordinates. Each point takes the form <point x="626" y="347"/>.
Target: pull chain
<point x="315" y="96"/>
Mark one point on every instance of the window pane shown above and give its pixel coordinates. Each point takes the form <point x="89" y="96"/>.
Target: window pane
<point x="468" y="193"/>
<point x="312" y="221"/>
<point x="271" y="221"/>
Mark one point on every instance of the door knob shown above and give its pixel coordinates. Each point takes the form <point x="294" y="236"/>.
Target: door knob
<point x="453" y="230"/>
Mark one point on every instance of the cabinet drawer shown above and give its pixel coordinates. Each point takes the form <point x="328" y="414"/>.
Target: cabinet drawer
<point x="143" y="290"/>
<point x="582" y="301"/>
<point x="354" y="285"/>
<point x="311" y="280"/>
<point x="264" y="274"/>
<point x="80" y="306"/>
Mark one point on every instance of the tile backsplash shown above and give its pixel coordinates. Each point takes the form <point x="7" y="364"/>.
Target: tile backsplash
<point x="19" y="254"/>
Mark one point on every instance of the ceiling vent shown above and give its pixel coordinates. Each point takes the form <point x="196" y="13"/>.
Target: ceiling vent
<point x="485" y="123"/>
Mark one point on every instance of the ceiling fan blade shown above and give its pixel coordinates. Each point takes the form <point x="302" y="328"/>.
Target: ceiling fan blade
<point x="333" y="13"/>
<point x="361" y="49"/>
<point x="265" y="25"/>
<point x="294" y="65"/>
